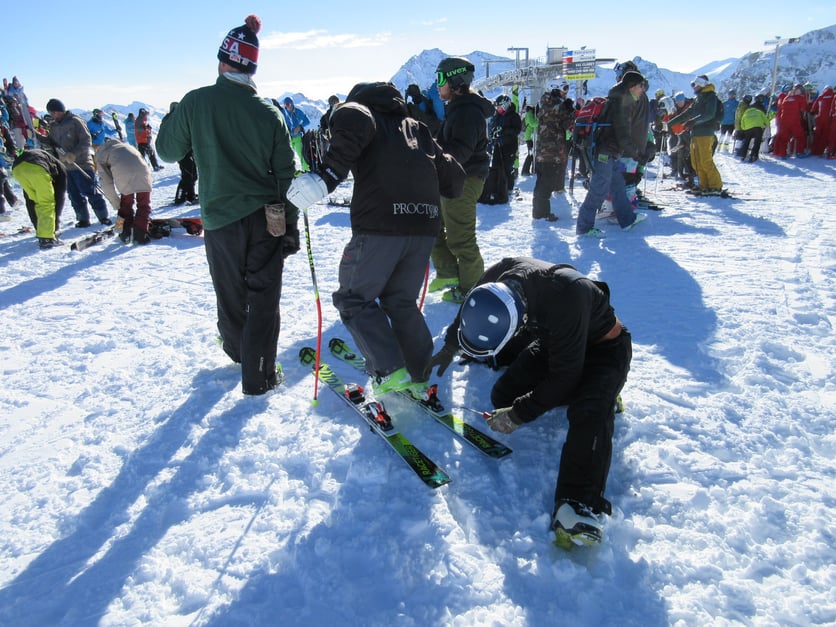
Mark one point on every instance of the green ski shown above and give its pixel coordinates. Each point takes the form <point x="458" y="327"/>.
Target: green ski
<point x="375" y="415"/>
<point x="432" y="406"/>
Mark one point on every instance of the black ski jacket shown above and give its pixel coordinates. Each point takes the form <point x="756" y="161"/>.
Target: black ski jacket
<point x="399" y="169"/>
<point x="624" y="128"/>
<point x="566" y="311"/>
<point x="464" y="132"/>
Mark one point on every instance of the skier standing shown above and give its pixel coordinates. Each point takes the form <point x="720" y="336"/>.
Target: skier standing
<point x="245" y="168"/>
<point x="620" y="146"/>
<point x="701" y="119"/>
<point x="463" y="134"/>
<point x="555" y="120"/>
<point x="69" y="137"/>
<point x="398" y="170"/>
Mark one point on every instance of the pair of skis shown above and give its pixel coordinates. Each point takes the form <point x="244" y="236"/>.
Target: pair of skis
<point x="377" y="417"/>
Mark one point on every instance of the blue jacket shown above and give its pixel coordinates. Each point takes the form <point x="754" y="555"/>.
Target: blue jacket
<point x="730" y="106"/>
<point x="99" y="131"/>
<point x="295" y="119"/>
<point x="438" y="103"/>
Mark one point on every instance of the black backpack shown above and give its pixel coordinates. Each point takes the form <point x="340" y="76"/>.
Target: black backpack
<point x="719" y="112"/>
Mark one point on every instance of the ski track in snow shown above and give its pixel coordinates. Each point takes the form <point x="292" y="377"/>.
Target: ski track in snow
<point x="140" y="486"/>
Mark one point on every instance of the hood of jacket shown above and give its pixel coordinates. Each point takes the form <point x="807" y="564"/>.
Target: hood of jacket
<point x="380" y="96"/>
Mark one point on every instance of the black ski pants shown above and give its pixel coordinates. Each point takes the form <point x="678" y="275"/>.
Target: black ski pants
<point x="246" y="265"/>
<point x="587" y="452"/>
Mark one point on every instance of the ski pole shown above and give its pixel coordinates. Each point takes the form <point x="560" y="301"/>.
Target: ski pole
<point x="424" y="290"/>
<point x="484" y="414"/>
<point x="318" y="305"/>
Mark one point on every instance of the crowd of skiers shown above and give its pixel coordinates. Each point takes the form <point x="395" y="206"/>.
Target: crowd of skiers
<point x="60" y="154"/>
<point x="421" y="163"/>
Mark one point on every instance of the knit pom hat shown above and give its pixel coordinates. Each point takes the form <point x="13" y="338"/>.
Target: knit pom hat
<point x="240" y="46"/>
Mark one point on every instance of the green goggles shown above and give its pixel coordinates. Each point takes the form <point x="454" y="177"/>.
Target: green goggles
<point x="441" y="79"/>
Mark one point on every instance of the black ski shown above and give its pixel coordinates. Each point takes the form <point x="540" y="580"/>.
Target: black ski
<point x="82" y="243"/>
<point x="432" y="406"/>
<point x="375" y="415"/>
<point x="115" y="119"/>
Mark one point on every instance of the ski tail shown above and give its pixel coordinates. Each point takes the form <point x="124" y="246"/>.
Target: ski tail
<point x="379" y="421"/>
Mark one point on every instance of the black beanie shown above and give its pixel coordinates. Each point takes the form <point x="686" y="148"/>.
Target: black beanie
<point x="631" y="79"/>
<point x="240" y="46"/>
<point x="55" y="106"/>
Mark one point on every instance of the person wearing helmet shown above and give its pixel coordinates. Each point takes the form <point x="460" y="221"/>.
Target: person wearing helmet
<point x="752" y="122"/>
<point x="297" y="121"/>
<point x="791" y="135"/>
<point x="622" y="68"/>
<point x="658" y="111"/>
<point x="504" y="130"/>
<point x="727" y="127"/>
<point x="679" y="141"/>
<point x="463" y="134"/>
<point x="702" y="120"/>
<point x="563" y="345"/>
<point x="99" y="130"/>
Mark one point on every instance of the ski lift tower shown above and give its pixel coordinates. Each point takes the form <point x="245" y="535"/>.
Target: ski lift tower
<point x="777" y="42"/>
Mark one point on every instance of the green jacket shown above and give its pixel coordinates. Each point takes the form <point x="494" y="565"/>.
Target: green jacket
<point x="530" y="122"/>
<point x="701" y="116"/>
<point x="241" y="147"/>
<point x="753" y="118"/>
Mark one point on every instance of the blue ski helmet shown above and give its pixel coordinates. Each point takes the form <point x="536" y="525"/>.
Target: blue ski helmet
<point x="621" y="69"/>
<point x="491" y="314"/>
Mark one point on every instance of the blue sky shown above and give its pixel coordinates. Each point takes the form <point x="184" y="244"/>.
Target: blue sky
<point x="153" y="51"/>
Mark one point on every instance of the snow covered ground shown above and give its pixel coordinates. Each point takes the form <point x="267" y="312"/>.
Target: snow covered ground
<point x="138" y="485"/>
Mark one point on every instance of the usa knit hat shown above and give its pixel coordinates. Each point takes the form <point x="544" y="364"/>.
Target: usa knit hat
<point x="240" y="46"/>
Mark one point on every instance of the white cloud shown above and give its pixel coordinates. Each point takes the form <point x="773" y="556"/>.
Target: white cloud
<point x="316" y="39"/>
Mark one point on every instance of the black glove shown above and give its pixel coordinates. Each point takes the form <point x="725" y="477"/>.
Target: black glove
<point x="290" y="241"/>
<point x="649" y="153"/>
<point x="443" y="358"/>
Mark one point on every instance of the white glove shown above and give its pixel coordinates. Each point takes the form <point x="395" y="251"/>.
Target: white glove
<point x="306" y="190"/>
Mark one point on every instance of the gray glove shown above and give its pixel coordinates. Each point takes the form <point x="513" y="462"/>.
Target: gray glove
<point x="443" y="358"/>
<point x="502" y="420"/>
